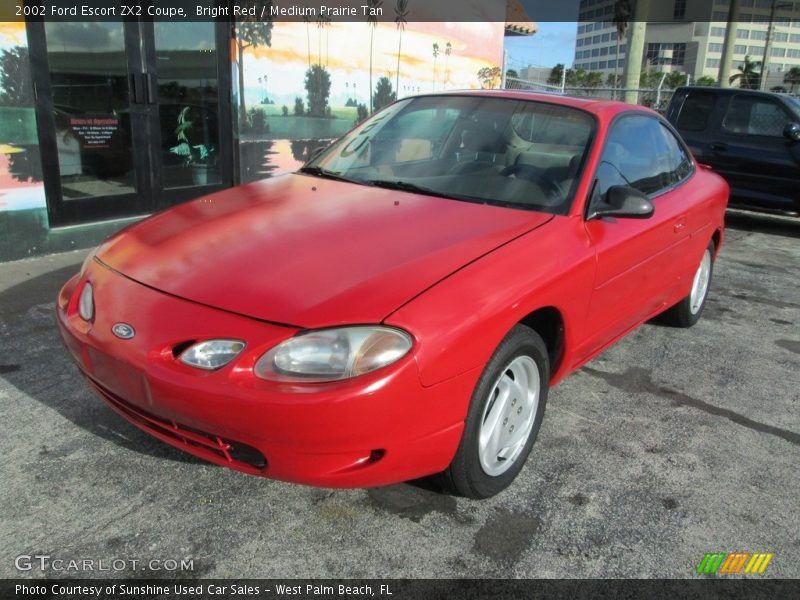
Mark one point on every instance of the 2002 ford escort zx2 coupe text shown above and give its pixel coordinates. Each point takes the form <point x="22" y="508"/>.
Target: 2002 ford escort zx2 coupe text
<point x="399" y="306"/>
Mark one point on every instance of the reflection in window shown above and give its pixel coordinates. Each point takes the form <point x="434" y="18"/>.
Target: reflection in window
<point x="89" y="82"/>
<point x="188" y="103"/>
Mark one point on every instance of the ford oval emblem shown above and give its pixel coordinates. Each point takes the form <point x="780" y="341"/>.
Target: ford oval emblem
<point x="123" y="331"/>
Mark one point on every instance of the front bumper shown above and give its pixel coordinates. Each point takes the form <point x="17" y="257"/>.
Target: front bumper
<point x="380" y="428"/>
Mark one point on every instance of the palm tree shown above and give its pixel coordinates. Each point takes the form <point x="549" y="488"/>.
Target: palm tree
<point x="372" y="20"/>
<point x="622" y="14"/>
<point x="448" y="48"/>
<point x="401" y="18"/>
<point x="320" y="26"/>
<point x="792" y="77"/>
<point x="327" y="22"/>
<point x="435" y="55"/>
<point x="748" y="77"/>
<point x="307" y="21"/>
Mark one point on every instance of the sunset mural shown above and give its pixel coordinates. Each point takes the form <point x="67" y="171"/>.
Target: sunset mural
<point x="343" y="48"/>
<point x="355" y="57"/>
<point x="21" y="185"/>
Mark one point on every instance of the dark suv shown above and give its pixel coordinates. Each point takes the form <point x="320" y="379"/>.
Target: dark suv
<point x="750" y="138"/>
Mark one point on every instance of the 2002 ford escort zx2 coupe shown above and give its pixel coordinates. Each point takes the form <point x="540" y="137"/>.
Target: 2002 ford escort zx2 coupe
<point x="400" y="305"/>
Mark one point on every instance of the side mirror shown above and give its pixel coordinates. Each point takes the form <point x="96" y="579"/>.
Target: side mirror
<point x="792" y="131"/>
<point x="624" y="202"/>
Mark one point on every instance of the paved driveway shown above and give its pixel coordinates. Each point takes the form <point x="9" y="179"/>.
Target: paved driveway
<point x="671" y="444"/>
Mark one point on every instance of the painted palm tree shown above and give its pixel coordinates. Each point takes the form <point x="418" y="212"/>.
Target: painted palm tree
<point x="448" y="48"/>
<point x="435" y="56"/>
<point x="328" y="23"/>
<point x="320" y="27"/>
<point x="400" y="19"/>
<point x="372" y="21"/>
<point x="307" y="21"/>
<point x="747" y="76"/>
<point x="622" y="14"/>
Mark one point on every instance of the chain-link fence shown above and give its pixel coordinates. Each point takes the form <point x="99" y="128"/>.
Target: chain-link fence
<point x="657" y="99"/>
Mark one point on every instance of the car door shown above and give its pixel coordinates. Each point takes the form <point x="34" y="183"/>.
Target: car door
<point x="640" y="262"/>
<point x="752" y="153"/>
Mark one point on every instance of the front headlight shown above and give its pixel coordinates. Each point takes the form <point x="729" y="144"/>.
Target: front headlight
<point x="333" y="354"/>
<point x="86" y="303"/>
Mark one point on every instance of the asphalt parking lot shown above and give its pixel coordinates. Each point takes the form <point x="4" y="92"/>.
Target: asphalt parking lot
<point x="671" y="444"/>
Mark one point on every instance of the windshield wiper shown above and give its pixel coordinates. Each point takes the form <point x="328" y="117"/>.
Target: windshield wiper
<point x="405" y="186"/>
<point x="320" y="172"/>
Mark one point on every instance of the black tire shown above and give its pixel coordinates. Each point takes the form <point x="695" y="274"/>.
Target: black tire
<point x="681" y="315"/>
<point x="466" y="476"/>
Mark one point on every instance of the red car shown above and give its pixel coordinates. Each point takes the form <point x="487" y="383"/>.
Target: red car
<point x="399" y="306"/>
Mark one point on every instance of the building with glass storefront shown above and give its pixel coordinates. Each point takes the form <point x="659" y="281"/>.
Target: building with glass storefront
<point x="106" y="121"/>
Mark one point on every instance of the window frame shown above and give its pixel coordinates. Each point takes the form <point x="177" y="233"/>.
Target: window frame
<point x="590" y="196"/>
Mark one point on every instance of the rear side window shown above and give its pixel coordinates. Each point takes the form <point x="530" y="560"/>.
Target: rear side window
<point x="696" y="111"/>
<point x="755" y="116"/>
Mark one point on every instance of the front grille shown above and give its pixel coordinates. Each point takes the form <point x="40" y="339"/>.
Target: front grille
<point x="206" y="445"/>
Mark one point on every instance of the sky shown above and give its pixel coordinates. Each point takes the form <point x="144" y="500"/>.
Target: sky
<point x="553" y="44"/>
<point x="555" y="41"/>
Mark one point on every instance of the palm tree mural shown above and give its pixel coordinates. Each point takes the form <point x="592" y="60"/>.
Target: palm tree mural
<point x="320" y="27"/>
<point x="435" y="56"/>
<point x="747" y="76"/>
<point x="401" y="18"/>
<point x="307" y="21"/>
<point x="372" y="20"/>
<point x="448" y="48"/>
<point x="328" y="23"/>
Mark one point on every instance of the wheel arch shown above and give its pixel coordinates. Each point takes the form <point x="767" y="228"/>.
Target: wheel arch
<point x="717" y="239"/>
<point x="548" y="322"/>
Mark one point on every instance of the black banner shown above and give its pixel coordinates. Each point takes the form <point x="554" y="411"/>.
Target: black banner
<point x="394" y="589"/>
<point x="538" y="11"/>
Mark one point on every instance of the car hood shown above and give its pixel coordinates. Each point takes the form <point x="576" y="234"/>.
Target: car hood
<point x="310" y="252"/>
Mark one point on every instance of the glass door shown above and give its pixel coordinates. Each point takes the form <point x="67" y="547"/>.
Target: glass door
<point x="129" y="115"/>
<point x="195" y="152"/>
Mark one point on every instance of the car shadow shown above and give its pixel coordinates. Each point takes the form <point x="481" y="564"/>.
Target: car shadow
<point x="762" y="223"/>
<point x="37" y="364"/>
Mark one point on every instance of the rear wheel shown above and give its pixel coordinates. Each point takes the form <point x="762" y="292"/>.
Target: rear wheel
<point x="504" y="417"/>
<point x="687" y="312"/>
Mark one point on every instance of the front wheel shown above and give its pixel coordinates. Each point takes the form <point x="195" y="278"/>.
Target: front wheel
<point x="504" y="417"/>
<point x="687" y="312"/>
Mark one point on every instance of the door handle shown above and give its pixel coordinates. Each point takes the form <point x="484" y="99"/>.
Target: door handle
<point x="137" y="88"/>
<point x="151" y="87"/>
<point x="719" y="146"/>
<point x="680" y="224"/>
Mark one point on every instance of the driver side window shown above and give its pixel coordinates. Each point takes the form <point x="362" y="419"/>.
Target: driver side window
<point x="631" y="156"/>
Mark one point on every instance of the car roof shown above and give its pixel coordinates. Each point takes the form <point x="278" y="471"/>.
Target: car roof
<point x="597" y="106"/>
<point x="726" y="91"/>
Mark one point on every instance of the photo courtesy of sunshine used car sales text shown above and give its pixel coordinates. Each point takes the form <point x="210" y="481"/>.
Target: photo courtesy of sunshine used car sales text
<point x="183" y="590"/>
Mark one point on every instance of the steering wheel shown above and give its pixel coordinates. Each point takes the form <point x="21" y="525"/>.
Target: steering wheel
<point x="537" y="176"/>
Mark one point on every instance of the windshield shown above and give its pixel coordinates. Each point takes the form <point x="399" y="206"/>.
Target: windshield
<point x="507" y="152"/>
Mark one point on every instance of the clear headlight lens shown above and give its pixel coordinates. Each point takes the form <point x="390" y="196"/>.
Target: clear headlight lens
<point x="211" y="354"/>
<point x="86" y="302"/>
<point x="333" y="354"/>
